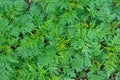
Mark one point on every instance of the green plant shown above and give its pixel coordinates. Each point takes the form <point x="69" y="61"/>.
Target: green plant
<point x="59" y="39"/>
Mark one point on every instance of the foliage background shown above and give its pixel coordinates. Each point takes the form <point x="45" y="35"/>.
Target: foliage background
<point x="60" y="39"/>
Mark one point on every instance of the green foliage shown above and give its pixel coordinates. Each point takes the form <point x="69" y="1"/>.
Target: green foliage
<point x="59" y="39"/>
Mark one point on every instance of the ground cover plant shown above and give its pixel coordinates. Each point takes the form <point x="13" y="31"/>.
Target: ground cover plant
<point x="59" y="39"/>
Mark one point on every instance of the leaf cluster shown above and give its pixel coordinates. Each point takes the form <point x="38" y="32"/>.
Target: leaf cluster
<point x="59" y="39"/>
